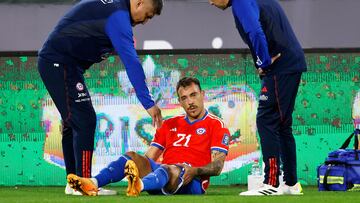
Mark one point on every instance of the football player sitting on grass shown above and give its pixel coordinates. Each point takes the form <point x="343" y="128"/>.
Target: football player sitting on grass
<point x="193" y="147"/>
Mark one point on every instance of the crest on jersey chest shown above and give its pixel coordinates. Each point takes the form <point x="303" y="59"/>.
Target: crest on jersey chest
<point x="200" y="131"/>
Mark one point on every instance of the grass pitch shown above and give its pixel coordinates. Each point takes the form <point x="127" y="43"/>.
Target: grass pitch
<point x="219" y="194"/>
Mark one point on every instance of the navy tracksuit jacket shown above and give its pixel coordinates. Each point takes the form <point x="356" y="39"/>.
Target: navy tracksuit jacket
<point x="264" y="27"/>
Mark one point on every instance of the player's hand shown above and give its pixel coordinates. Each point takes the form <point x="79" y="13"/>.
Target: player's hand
<point x="156" y="116"/>
<point x="189" y="174"/>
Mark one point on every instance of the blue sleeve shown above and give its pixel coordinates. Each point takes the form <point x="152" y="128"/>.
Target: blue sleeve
<point x="119" y="30"/>
<point x="247" y="12"/>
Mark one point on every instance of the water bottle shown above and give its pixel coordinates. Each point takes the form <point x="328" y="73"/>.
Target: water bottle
<point x="357" y="122"/>
<point x="256" y="169"/>
<point x="255" y="177"/>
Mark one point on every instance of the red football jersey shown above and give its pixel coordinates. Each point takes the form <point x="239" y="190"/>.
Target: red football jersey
<point x="191" y="142"/>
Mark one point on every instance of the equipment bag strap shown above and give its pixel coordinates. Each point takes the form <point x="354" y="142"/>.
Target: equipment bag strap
<point x="347" y="141"/>
<point x="355" y="134"/>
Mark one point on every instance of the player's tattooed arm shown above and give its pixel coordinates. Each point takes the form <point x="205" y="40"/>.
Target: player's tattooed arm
<point x="212" y="169"/>
<point x="215" y="167"/>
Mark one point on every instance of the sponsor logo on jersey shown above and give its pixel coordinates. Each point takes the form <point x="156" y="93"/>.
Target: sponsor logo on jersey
<point x="82" y="100"/>
<point x="107" y="1"/>
<point x="82" y="94"/>
<point x="263" y="97"/>
<point x="79" y="86"/>
<point x="226" y="139"/>
<point x="200" y="131"/>
<point x="173" y="130"/>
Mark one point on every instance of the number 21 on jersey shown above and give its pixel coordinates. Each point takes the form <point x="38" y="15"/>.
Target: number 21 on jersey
<point x="183" y="140"/>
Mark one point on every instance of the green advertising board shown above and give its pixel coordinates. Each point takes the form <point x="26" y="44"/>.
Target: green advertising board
<point x="30" y="139"/>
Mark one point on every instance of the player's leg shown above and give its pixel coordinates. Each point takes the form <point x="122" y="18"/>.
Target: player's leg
<point x="144" y="164"/>
<point x="152" y="181"/>
<point x="288" y="88"/>
<point x="166" y="179"/>
<point x="175" y="182"/>
<point x="114" y="172"/>
<point x="195" y="187"/>
<point x="169" y="179"/>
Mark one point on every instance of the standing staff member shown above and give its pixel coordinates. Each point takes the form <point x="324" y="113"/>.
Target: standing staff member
<point x="87" y="34"/>
<point x="280" y="62"/>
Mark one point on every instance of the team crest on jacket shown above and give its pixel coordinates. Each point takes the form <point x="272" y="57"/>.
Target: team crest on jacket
<point x="79" y="86"/>
<point x="200" y="131"/>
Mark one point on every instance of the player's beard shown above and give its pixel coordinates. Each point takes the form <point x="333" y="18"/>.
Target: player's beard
<point x="194" y="112"/>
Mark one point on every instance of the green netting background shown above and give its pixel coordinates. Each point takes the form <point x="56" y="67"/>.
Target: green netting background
<point x="30" y="150"/>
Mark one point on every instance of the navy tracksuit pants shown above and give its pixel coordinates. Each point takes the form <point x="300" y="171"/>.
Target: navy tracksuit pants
<point x="66" y="86"/>
<point x="274" y="121"/>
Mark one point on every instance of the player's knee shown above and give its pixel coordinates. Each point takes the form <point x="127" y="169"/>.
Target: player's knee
<point x="141" y="162"/>
<point x="173" y="174"/>
<point x="166" y="167"/>
<point x="172" y="170"/>
<point x="169" y="170"/>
